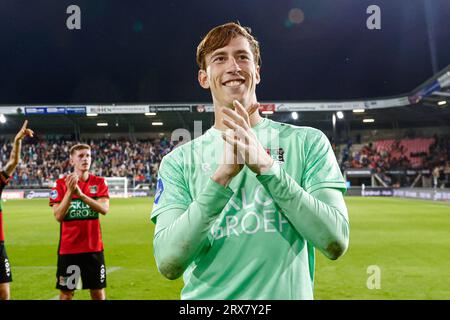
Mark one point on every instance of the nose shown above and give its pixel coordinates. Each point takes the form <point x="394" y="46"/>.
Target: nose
<point x="233" y="67"/>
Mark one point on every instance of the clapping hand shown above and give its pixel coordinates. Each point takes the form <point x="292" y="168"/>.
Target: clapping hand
<point x="243" y="139"/>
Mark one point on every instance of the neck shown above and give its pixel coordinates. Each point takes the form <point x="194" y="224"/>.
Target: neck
<point x="83" y="175"/>
<point x="255" y="118"/>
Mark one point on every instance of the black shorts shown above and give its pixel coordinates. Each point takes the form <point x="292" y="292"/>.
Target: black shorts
<point x="5" y="268"/>
<point x="89" y="267"/>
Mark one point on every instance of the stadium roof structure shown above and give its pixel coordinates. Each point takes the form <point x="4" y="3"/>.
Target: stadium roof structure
<point x="428" y="105"/>
<point x="312" y="59"/>
<point x="144" y="51"/>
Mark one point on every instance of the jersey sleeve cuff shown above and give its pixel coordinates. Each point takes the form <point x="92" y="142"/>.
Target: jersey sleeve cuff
<point x="273" y="171"/>
<point x="214" y="197"/>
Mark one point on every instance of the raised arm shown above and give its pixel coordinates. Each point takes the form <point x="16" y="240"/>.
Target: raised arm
<point x="17" y="145"/>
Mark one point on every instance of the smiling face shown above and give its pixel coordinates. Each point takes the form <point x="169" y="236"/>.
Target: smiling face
<point x="229" y="61"/>
<point x="231" y="73"/>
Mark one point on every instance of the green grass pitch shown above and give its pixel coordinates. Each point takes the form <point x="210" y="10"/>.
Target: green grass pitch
<point x="408" y="240"/>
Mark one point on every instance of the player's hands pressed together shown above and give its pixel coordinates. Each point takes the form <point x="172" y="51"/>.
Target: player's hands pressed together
<point x="232" y="161"/>
<point x="242" y="137"/>
<point x="78" y="191"/>
<point x="72" y="183"/>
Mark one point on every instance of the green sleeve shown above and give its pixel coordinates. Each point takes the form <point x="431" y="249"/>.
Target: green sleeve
<point x="172" y="192"/>
<point x="320" y="167"/>
<point x="320" y="217"/>
<point x="181" y="230"/>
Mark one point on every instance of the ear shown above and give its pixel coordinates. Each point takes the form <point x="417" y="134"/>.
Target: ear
<point x="258" y="77"/>
<point x="203" y="79"/>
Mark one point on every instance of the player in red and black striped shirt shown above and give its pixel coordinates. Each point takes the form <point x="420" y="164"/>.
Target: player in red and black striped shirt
<point x="5" y="268"/>
<point x="77" y="200"/>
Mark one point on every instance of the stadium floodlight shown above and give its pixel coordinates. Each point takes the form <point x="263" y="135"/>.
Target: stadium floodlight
<point x="442" y="102"/>
<point x="150" y="113"/>
<point x="102" y="124"/>
<point x="340" y="115"/>
<point x="2" y="118"/>
<point x="368" y="120"/>
<point x="294" y="115"/>
<point x="267" y="112"/>
<point x="91" y="114"/>
<point x="157" y="123"/>
<point x="296" y="16"/>
<point x="358" y="110"/>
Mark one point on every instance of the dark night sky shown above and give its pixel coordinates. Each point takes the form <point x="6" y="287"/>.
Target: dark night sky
<point x="144" y="51"/>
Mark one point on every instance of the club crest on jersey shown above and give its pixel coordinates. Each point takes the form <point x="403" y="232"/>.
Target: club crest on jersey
<point x="276" y="154"/>
<point x="53" y="194"/>
<point x="159" y="190"/>
<point x="93" y="189"/>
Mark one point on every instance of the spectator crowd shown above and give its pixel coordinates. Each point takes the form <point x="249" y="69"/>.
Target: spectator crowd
<point x="44" y="161"/>
<point x="387" y="156"/>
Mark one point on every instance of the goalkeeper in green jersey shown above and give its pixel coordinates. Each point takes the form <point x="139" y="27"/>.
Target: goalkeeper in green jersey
<point x="240" y="209"/>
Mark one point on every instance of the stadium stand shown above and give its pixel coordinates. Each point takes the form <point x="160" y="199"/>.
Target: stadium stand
<point x="384" y="156"/>
<point x="44" y="161"/>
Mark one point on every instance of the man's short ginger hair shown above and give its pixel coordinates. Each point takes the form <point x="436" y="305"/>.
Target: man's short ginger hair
<point x="80" y="146"/>
<point x="220" y="36"/>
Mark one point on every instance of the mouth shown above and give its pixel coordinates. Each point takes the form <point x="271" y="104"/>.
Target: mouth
<point x="234" y="83"/>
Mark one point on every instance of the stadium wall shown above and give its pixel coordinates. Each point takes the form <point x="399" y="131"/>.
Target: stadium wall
<point x="97" y="135"/>
<point x="130" y="136"/>
<point x="10" y="194"/>
<point x="410" y="193"/>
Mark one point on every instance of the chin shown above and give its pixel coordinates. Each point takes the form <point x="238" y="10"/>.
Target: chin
<point x="228" y="100"/>
<point x="228" y="104"/>
<point x="242" y="100"/>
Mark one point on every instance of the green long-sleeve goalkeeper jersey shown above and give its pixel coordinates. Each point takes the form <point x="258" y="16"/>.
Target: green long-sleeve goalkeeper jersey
<point x="255" y="238"/>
